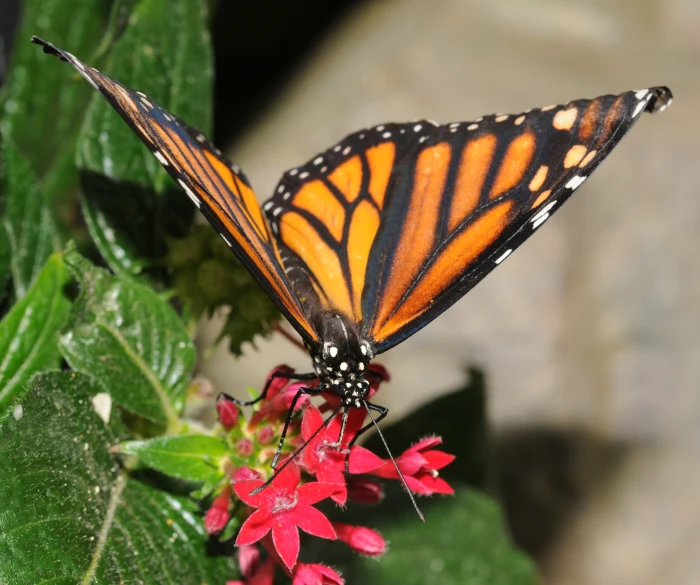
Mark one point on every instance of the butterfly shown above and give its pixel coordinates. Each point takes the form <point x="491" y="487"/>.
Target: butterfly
<point x="375" y="237"/>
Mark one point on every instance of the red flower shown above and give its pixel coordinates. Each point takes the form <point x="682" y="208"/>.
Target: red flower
<point x="283" y="508"/>
<point x="218" y="515"/>
<point x="313" y="574"/>
<point x="328" y="462"/>
<point x="419" y="465"/>
<point x="279" y="399"/>
<point x="361" y="539"/>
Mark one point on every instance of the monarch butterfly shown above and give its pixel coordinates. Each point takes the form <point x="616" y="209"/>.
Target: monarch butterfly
<point x="375" y="237"/>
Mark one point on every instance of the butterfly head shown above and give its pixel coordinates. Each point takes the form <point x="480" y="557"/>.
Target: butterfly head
<point x="341" y="360"/>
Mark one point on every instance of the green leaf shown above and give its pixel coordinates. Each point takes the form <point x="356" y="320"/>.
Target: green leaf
<point x="5" y="260"/>
<point x="460" y="419"/>
<point x="463" y="542"/>
<point x="129" y="223"/>
<point x="29" y="332"/>
<point x="44" y="103"/>
<point x="188" y="457"/>
<point x="27" y="220"/>
<point x="71" y="515"/>
<point x="131" y="341"/>
<point x="165" y="53"/>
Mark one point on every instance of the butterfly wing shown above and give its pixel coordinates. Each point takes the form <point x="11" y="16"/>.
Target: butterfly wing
<point x="396" y="223"/>
<point x="218" y="188"/>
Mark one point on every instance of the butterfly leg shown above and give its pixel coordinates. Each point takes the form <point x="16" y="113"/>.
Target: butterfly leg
<point x="383" y="411"/>
<point x="288" y="376"/>
<point x="290" y="413"/>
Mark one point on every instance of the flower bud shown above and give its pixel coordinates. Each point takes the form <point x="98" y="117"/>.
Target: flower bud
<point x="218" y="515"/>
<point x="228" y="413"/>
<point x="361" y="539"/>
<point x="364" y="490"/>
<point x="244" y="447"/>
<point x="266" y="435"/>
<point x="315" y="574"/>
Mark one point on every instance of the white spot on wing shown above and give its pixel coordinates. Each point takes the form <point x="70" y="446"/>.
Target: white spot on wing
<point x="544" y="211"/>
<point x="268" y="206"/>
<point x="641" y="94"/>
<point x="638" y="110"/>
<point x="503" y="256"/>
<point x="333" y="351"/>
<point x="540" y="221"/>
<point x="574" y="182"/>
<point x="161" y="159"/>
<point x="189" y="192"/>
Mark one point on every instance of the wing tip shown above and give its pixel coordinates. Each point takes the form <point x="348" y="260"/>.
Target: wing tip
<point x="49" y="49"/>
<point x="661" y="98"/>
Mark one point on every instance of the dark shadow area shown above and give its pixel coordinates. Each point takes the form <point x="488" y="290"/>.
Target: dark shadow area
<point x="258" y="44"/>
<point x="544" y="476"/>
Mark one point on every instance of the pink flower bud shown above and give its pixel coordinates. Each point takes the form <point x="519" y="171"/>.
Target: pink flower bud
<point x="266" y="435"/>
<point x="248" y="560"/>
<point x="364" y="490"/>
<point x="228" y="413"/>
<point x="243" y="474"/>
<point x="361" y="539"/>
<point x="244" y="447"/>
<point x="315" y="574"/>
<point x="218" y="515"/>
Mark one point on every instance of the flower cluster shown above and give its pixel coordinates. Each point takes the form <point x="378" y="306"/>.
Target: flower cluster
<point x="269" y="519"/>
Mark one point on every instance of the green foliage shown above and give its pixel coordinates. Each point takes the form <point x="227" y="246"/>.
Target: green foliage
<point x="124" y="335"/>
<point x="27" y="220"/>
<point x="29" y="332"/>
<point x="72" y="514"/>
<point x="207" y="276"/>
<point x="188" y="457"/>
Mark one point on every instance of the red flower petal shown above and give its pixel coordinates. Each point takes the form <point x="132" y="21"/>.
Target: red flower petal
<point x="363" y="460"/>
<point x="435" y="485"/>
<point x="427" y="443"/>
<point x="438" y="459"/>
<point x="285" y="536"/>
<point x="312" y="521"/>
<point x="310" y="493"/>
<point x="255" y="527"/>
<point x="243" y="489"/>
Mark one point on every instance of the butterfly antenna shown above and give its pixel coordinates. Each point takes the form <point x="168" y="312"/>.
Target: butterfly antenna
<point x="403" y="479"/>
<point x="296" y="453"/>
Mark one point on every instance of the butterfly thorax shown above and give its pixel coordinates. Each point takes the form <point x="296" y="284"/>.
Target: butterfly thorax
<point x="341" y="359"/>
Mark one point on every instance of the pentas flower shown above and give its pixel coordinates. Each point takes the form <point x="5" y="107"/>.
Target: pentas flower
<point x="316" y="464"/>
<point x="325" y="458"/>
<point x="419" y="465"/>
<point x="283" y="508"/>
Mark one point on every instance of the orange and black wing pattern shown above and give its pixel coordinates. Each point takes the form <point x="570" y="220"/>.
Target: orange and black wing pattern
<point x="397" y="222"/>
<point x="217" y="187"/>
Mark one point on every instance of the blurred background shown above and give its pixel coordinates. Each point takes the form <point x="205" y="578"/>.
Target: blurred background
<point x="590" y="333"/>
